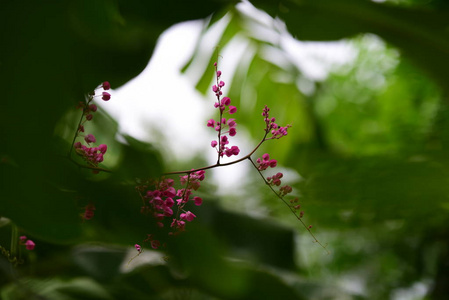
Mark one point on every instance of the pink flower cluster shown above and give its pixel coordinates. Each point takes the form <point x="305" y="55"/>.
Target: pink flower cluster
<point x="29" y="244"/>
<point x="266" y="162"/>
<point x="276" y="131"/>
<point x="105" y="95"/>
<point x="223" y="126"/>
<point x="274" y="180"/>
<point x="161" y="201"/>
<point x="92" y="155"/>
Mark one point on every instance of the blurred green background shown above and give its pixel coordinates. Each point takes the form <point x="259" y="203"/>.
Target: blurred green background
<point x="368" y="141"/>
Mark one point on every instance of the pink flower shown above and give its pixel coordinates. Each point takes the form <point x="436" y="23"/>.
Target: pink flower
<point x="23" y="238"/>
<point x="235" y="150"/>
<point x="211" y="123"/>
<point x="169" y="202"/>
<point x="232" y="131"/>
<point x="221" y="84"/>
<point x="90" y="138"/>
<point x="213" y="144"/>
<point x="285" y="190"/>
<point x="188" y="216"/>
<point x="138" y="248"/>
<point x="99" y="158"/>
<point x="226" y="101"/>
<point x="106" y="86"/>
<point x="232" y="109"/>
<point x="106" y="96"/>
<point x="198" y="201"/>
<point x="89" y="117"/>
<point x="224" y="140"/>
<point x="29" y="245"/>
<point x="93" y="107"/>
<point x="102" y="148"/>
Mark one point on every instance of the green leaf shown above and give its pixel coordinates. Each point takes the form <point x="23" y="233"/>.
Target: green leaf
<point x="425" y="42"/>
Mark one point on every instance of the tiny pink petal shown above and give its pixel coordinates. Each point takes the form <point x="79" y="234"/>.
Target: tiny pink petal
<point x="106" y="96"/>
<point x="226" y="101"/>
<point x="198" y="201"/>
<point x="30" y="245"/>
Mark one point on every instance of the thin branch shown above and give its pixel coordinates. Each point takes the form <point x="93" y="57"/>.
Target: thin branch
<point x="220" y="164"/>
<point x="289" y="206"/>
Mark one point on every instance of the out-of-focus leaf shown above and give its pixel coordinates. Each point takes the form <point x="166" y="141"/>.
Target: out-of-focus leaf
<point x="101" y="263"/>
<point x="139" y="160"/>
<point x="426" y="42"/>
<point x="252" y="240"/>
<point x="55" y="289"/>
<point x="198" y="255"/>
<point x="62" y="51"/>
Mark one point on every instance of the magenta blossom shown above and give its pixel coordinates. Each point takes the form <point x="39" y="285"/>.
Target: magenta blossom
<point x="30" y="245"/>
<point x="188" y="216"/>
<point x="90" y="138"/>
<point x="106" y="96"/>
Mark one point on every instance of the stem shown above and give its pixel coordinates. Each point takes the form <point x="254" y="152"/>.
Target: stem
<point x="14" y="240"/>
<point x="218" y="164"/>
<point x="89" y="167"/>
<point x="289" y="206"/>
<point x="69" y="155"/>
<point x="77" y="128"/>
<point x="221" y="116"/>
<point x="14" y="244"/>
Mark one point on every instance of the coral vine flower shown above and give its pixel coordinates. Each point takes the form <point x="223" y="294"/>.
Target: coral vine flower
<point x="211" y="123"/>
<point x="266" y="162"/>
<point x="226" y="101"/>
<point x="106" y="96"/>
<point x="189" y="216"/>
<point x="198" y="201"/>
<point x="30" y="245"/>
<point x="90" y="138"/>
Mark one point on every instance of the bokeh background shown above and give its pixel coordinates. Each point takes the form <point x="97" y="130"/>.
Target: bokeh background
<point x="364" y="84"/>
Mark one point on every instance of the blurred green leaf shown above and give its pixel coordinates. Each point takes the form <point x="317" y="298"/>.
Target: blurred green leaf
<point x="425" y="42"/>
<point x="55" y="289"/>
